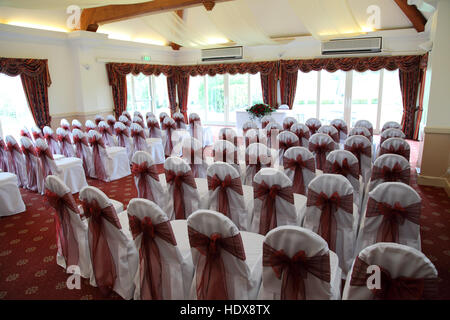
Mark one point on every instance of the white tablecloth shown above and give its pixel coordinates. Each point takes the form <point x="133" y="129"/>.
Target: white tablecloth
<point x="243" y="116"/>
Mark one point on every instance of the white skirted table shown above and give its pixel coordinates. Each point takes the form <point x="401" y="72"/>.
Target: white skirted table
<point x="10" y="198"/>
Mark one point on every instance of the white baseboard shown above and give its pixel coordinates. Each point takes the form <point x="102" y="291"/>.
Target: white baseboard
<point x="434" y="182"/>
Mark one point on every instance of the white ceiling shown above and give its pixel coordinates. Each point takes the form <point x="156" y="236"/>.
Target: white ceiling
<point x="243" y="22"/>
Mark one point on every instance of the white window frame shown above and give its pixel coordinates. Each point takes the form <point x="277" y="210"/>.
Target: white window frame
<point x="151" y="94"/>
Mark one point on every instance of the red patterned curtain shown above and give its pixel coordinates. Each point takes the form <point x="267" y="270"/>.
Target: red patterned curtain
<point x="172" y="90"/>
<point x="182" y="91"/>
<point x="117" y="73"/>
<point x="423" y="73"/>
<point x="35" y="81"/>
<point x="409" y="85"/>
<point x="288" y="86"/>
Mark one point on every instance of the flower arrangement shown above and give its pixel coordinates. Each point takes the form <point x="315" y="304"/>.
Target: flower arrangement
<point x="259" y="110"/>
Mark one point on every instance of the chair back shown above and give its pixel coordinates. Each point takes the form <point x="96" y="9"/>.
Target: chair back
<point x="154" y="130"/>
<point x="331" y="131"/>
<point x="52" y="140"/>
<point x="228" y="134"/>
<point x="98" y="119"/>
<point x="65" y="143"/>
<point x="361" y="147"/>
<point x="288" y="122"/>
<point x="286" y="140"/>
<point x="390" y="168"/>
<point x="125" y="120"/>
<point x="391" y="133"/>
<point x="361" y="131"/>
<point x="391" y="124"/>
<point x="266" y="120"/>
<point x="248" y="125"/>
<point x="397" y="146"/>
<point x="313" y="125"/>
<point x="15" y="161"/>
<point x="90" y="125"/>
<point x="178" y="117"/>
<point x="169" y="126"/>
<point x="192" y="153"/>
<point x="302" y="132"/>
<point x="321" y="144"/>
<point x="300" y="166"/>
<point x="257" y="156"/>
<point x="138" y="136"/>
<point x="365" y="124"/>
<point x="31" y="162"/>
<point x="272" y="130"/>
<point x="341" y="127"/>
<point x="99" y="154"/>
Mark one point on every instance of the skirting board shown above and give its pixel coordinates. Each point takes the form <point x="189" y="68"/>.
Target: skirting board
<point x="434" y="182"/>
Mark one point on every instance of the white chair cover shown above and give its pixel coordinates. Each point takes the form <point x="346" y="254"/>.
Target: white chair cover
<point x="138" y="114"/>
<point x="272" y="130"/>
<point x="239" y="274"/>
<point x="162" y="116"/>
<point x="287" y="252"/>
<point x="25" y="133"/>
<point x="391" y="133"/>
<point x="154" y="131"/>
<point x="405" y="274"/>
<point x="341" y="127"/>
<point x="52" y="140"/>
<point x="146" y="179"/>
<point x="365" y="124"/>
<point x="111" y="121"/>
<point x="330" y="213"/>
<point x="288" y="122"/>
<point x="77" y="125"/>
<point x="46" y="165"/>
<point x="302" y="132"/>
<point x="65" y="143"/>
<point x="71" y="227"/>
<point x="66" y="126"/>
<point x="113" y="228"/>
<point x="90" y="126"/>
<point x="3" y="156"/>
<point x="37" y="133"/>
<point x="123" y="138"/>
<point x="138" y="135"/>
<point x="163" y="272"/>
<point x="313" y="125"/>
<point x="331" y="131"/>
<point x="106" y="133"/>
<point x="125" y="120"/>
<point x="98" y="119"/>
<point x="361" y="131"/>
<point x="170" y="137"/>
<point x="31" y="162"/>
<point x="149" y="115"/>
<point x="300" y="166"/>
<point x="361" y="147"/>
<point x="397" y="146"/>
<point x="391" y="124"/>
<point x="255" y="136"/>
<point x="192" y="153"/>
<point x="266" y="120"/>
<point x="286" y="140"/>
<point x="321" y="144"/>
<point x="183" y="197"/>
<point x="126" y="114"/>
<point x="248" y="125"/>
<point x="10" y="198"/>
<point x="83" y="152"/>
<point x="390" y="168"/>
<point x="225" y="151"/>
<point x="257" y="156"/>
<point x="178" y="117"/>
<point x="273" y="201"/>
<point x="15" y="161"/>
<point x="228" y="134"/>
<point x="392" y="214"/>
<point x="346" y="164"/>
<point x="226" y="194"/>
<point x="140" y="121"/>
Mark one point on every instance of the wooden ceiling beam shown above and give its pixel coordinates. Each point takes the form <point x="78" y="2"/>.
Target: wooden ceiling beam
<point x="414" y="15"/>
<point x="91" y="18"/>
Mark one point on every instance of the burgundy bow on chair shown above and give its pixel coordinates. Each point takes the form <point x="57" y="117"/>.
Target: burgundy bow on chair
<point x="37" y="135"/>
<point x="293" y="271"/>
<point x="328" y="207"/>
<point x="141" y="172"/>
<point x="100" y="171"/>
<point x="111" y="124"/>
<point x="313" y="128"/>
<point x="25" y="134"/>
<point x="222" y="156"/>
<point x="121" y="134"/>
<point x="340" y="127"/>
<point x="284" y="145"/>
<point x="287" y="125"/>
<point x="343" y="169"/>
<point x="45" y="156"/>
<point x="105" y="130"/>
<point x="211" y="280"/>
<point x="393" y="217"/>
<point x="169" y="128"/>
<point x="101" y="256"/>
<point x="262" y="191"/>
<point x="139" y="139"/>
<point x="320" y="151"/>
<point x="215" y="182"/>
<point x="359" y="149"/>
<point x="65" y="235"/>
<point x="302" y="134"/>
<point x="28" y="152"/>
<point x="400" y="150"/>
<point x="400" y="288"/>
<point x="79" y="142"/>
<point x="152" y="126"/>
<point x="394" y="174"/>
<point x="297" y="165"/>
<point x="179" y="122"/>
<point x="149" y="254"/>
<point x="177" y="179"/>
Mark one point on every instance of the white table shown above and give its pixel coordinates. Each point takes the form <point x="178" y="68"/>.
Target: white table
<point x="243" y="116"/>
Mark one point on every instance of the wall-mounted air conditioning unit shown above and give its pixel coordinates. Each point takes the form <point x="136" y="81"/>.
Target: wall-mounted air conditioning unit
<point x="355" y="45"/>
<point x="227" y="53"/>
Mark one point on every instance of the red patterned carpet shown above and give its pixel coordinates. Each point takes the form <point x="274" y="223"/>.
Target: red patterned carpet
<point x="28" y="268"/>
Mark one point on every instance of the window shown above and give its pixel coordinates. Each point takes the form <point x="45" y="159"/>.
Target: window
<point x="305" y="102"/>
<point x="14" y="110"/>
<point x="147" y="93"/>
<point x="365" y="96"/>
<point x="332" y="96"/>
<point x="392" y="104"/>
<point x="216" y="99"/>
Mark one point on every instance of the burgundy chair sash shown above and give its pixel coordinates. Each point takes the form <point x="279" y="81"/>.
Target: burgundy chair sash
<point x="37" y="135"/>
<point x="328" y="207"/>
<point x="262" y="191"/>
<point x="359" y="149"/>
<point x="211" y="276"/>
<point x="222" y="156"/>
<point x="393" y="217"/>
<point x="138" y="139"/>
<point x="141" y="171"/>
<point x="111" y="124"/>
<point x="152" y="126"/>
<point x="264" y="123"/>
<point x="44" y="156"/>
<point x="161" y="119"/>
<point x="320" y="151"/>
<point x="400" y="288"/>
<point x="28" y="152"/>
<point x="177" y="179"/>
<point x="215" y="182"/>
<point x="25" y="134"/>
<point x="100" y="171"/>
<point x="394" y="174"/>
<point x="121" y="134"/>
<point x="313" y="128"/>
<point x="105" y="130"/>
<point x="334" y="136"/>
<point x="284" y="145"/>
<point x="65" y="235"/>
<point x="79" y="142"/>
<point x="297" y="165"/>
<point x="10" y="148"/>
<point x="400" y="150"/>
<point x="293" y="271"/>
<point x="343" y="169"/>
<point x="49" y="137"/>
<point x="340" y="128"/>
<point x="302" y="134"/>
<point x="101" y="256"/>
<point x="287" y="125"/>
<point x="257" y="162"/>
<point x="168" y="127"/>
<point x="196" y="129"/>
<point x="178" y="122"/>
<point x="149" y="254"/>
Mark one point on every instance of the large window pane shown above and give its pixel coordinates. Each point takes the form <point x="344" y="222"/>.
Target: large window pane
<point x="305" y="101"/>
<point x="196" y="96"/>
<point x="238" y="94"/>
<point x="161" y="97"/>
<point x="255" y="89"/>
<point x="14" y="111"/>
<point x="365" y="96"/>
<point x="138" y="90"/>
<point x="391" y="107"/>
<point x="216" y="99"/>
<point x="332" y="94"/>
